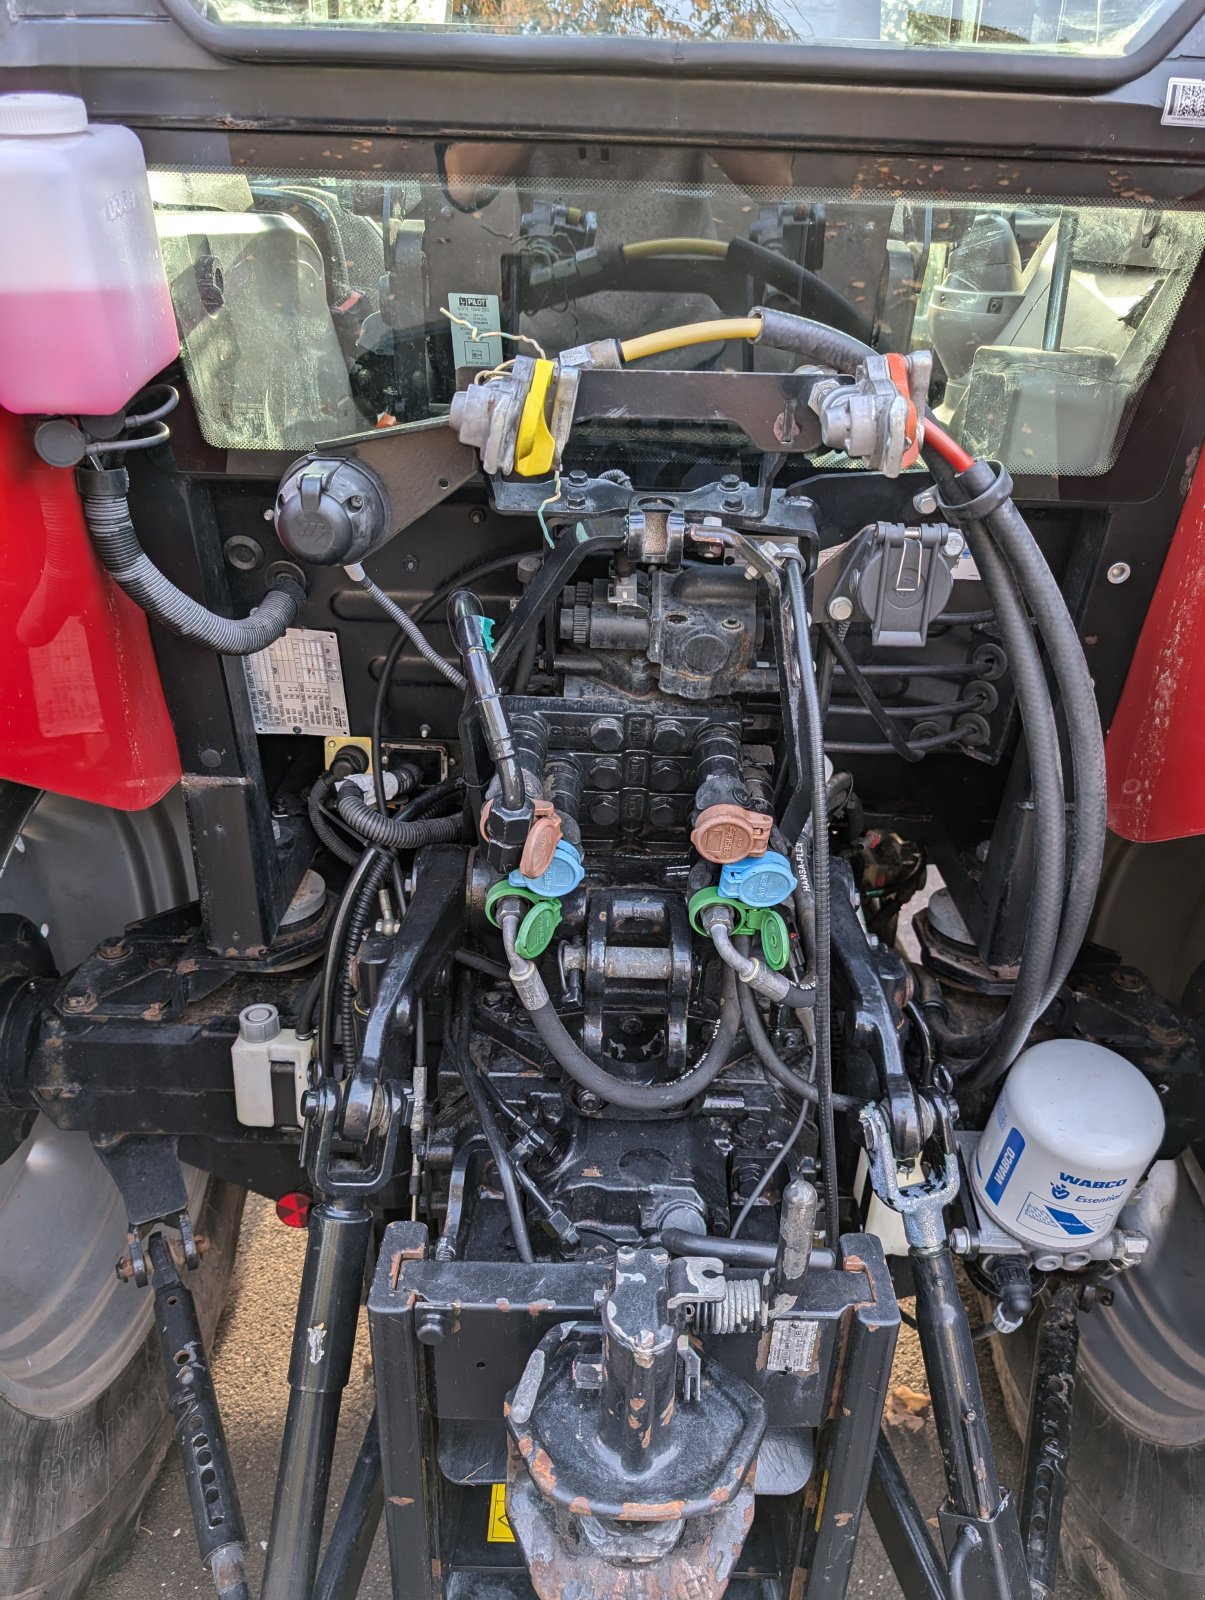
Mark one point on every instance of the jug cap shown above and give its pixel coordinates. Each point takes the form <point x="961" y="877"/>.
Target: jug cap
<point x="42" y="113"/>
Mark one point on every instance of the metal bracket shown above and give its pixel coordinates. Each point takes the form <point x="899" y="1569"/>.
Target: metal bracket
<point x="146" y="1169"/>
<point x="920" y="1205"/>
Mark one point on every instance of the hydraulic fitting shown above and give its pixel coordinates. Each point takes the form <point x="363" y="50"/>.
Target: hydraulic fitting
<point x="729" y="822"/>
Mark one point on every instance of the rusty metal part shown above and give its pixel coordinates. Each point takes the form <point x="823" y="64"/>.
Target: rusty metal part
<point x="573" y="1558"/>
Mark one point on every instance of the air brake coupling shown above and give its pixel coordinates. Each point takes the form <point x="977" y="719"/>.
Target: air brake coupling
<point x="519" y="420"/>
<point x="878" y="416"/>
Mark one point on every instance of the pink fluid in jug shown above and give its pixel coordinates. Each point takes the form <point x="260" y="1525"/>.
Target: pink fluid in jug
<point x="82" y="352"/>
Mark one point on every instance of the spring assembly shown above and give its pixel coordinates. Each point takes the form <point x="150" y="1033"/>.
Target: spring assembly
<point x="742" y="1308"/>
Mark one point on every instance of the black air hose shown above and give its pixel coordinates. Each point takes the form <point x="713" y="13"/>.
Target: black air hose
<point x="809" y="341"/>
<point x="806" y="288"/>
<point x="1080" y="710"/>
<point x="107" y="514"/>
<point x="1007" y="1036"/>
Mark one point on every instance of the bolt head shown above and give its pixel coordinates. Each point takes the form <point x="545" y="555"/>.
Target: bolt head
<point x="1118" y="572"/>
<point x="925" y="501"/>
<point x="840" y="608"/>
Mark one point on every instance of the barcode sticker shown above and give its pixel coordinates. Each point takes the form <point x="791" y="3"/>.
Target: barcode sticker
<point x="296" y="684"/>
<point x="1184" y="106"/>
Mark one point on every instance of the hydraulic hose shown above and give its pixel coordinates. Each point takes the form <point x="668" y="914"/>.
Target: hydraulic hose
<point x="107" y="515"/>
<point x="841" y="653"/>
<point x="467" y="623"/>
<point x="822" y="892"/>
<point x="734" y="1252"/>
<point x="357" y="924"/>
<point x="751" y="973"/>
<point x="395" y="833"/>
<point x="501" y="1155"/>
<point x="759" y="1040"/>
<point x="574" y="1061"/>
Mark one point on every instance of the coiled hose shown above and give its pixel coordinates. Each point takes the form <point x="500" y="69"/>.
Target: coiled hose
<point x="574" y="1061"/>
<point x="325" y="833"/>
<point x="395" y="833"/>
<point x="107" y="515"/>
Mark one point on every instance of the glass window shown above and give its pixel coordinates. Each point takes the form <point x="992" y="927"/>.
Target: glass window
<point x="312" y="307"/>
<point x="1077" y="27"/>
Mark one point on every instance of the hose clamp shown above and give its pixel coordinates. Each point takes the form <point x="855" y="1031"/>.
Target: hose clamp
<point x="992" y="498"/>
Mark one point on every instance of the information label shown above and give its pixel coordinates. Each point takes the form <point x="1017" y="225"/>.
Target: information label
<point x="296" y="685"/>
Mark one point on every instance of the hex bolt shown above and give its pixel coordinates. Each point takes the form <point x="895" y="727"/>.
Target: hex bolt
<point x="925" y="501"/>
<point x="955" y="544"/>
<point x="1118" y="572"/>
<point x="841" y="608"/>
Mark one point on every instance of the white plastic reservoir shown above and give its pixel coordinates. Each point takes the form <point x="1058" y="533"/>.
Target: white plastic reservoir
<point x="85" y="312"/>
<point x="1075" y="1127"/>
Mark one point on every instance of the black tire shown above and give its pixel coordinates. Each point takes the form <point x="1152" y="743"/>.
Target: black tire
<point x="1133" y="1527"/>
<point x="83" y="1399"/>
<point x="73" y="1484"/>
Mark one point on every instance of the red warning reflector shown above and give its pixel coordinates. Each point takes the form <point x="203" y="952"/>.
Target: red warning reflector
<point x="293" y="1209"/>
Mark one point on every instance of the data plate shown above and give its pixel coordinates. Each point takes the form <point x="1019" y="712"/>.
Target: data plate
<point x="296" y="685"/>
<point x="793" y="1346"/>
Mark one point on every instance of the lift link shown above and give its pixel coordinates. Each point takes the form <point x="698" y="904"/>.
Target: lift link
<point x="980" y="1529"/>
<point x="193" y="1402"/>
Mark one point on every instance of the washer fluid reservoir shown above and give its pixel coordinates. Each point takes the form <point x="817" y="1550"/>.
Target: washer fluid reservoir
<point x="85" y="311"/>
<point x="1074" y="1129"/>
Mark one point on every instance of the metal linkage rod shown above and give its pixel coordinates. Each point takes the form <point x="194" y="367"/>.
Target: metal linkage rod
<point x="1048" y="1437"/>
<point x="323" y="1339"/>
<point x="192" y="1399"/>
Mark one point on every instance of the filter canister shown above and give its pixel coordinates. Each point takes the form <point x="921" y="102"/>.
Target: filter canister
<point x="1073" y="1130"/>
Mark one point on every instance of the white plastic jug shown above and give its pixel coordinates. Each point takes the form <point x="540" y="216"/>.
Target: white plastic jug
<point x="85" y="311"/>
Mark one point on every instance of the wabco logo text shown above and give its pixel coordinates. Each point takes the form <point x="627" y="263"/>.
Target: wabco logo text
<point x="1093" y="1183"/>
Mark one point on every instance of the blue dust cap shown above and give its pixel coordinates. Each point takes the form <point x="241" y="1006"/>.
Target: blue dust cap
<point x="758" y="880"/>
<point x="560" y="877"/>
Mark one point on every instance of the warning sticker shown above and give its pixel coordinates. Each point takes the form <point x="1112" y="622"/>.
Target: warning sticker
<point x="296" y="684"/>
<point x="483" y="314"/>
<point x="498" y="1531"/>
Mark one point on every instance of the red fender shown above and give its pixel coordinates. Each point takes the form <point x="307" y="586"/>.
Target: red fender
<point x="1156" y="746"/>
<point x="81" y="704"/>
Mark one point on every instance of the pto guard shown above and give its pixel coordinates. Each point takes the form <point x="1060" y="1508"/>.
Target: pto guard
<point x="84" y="713"/>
